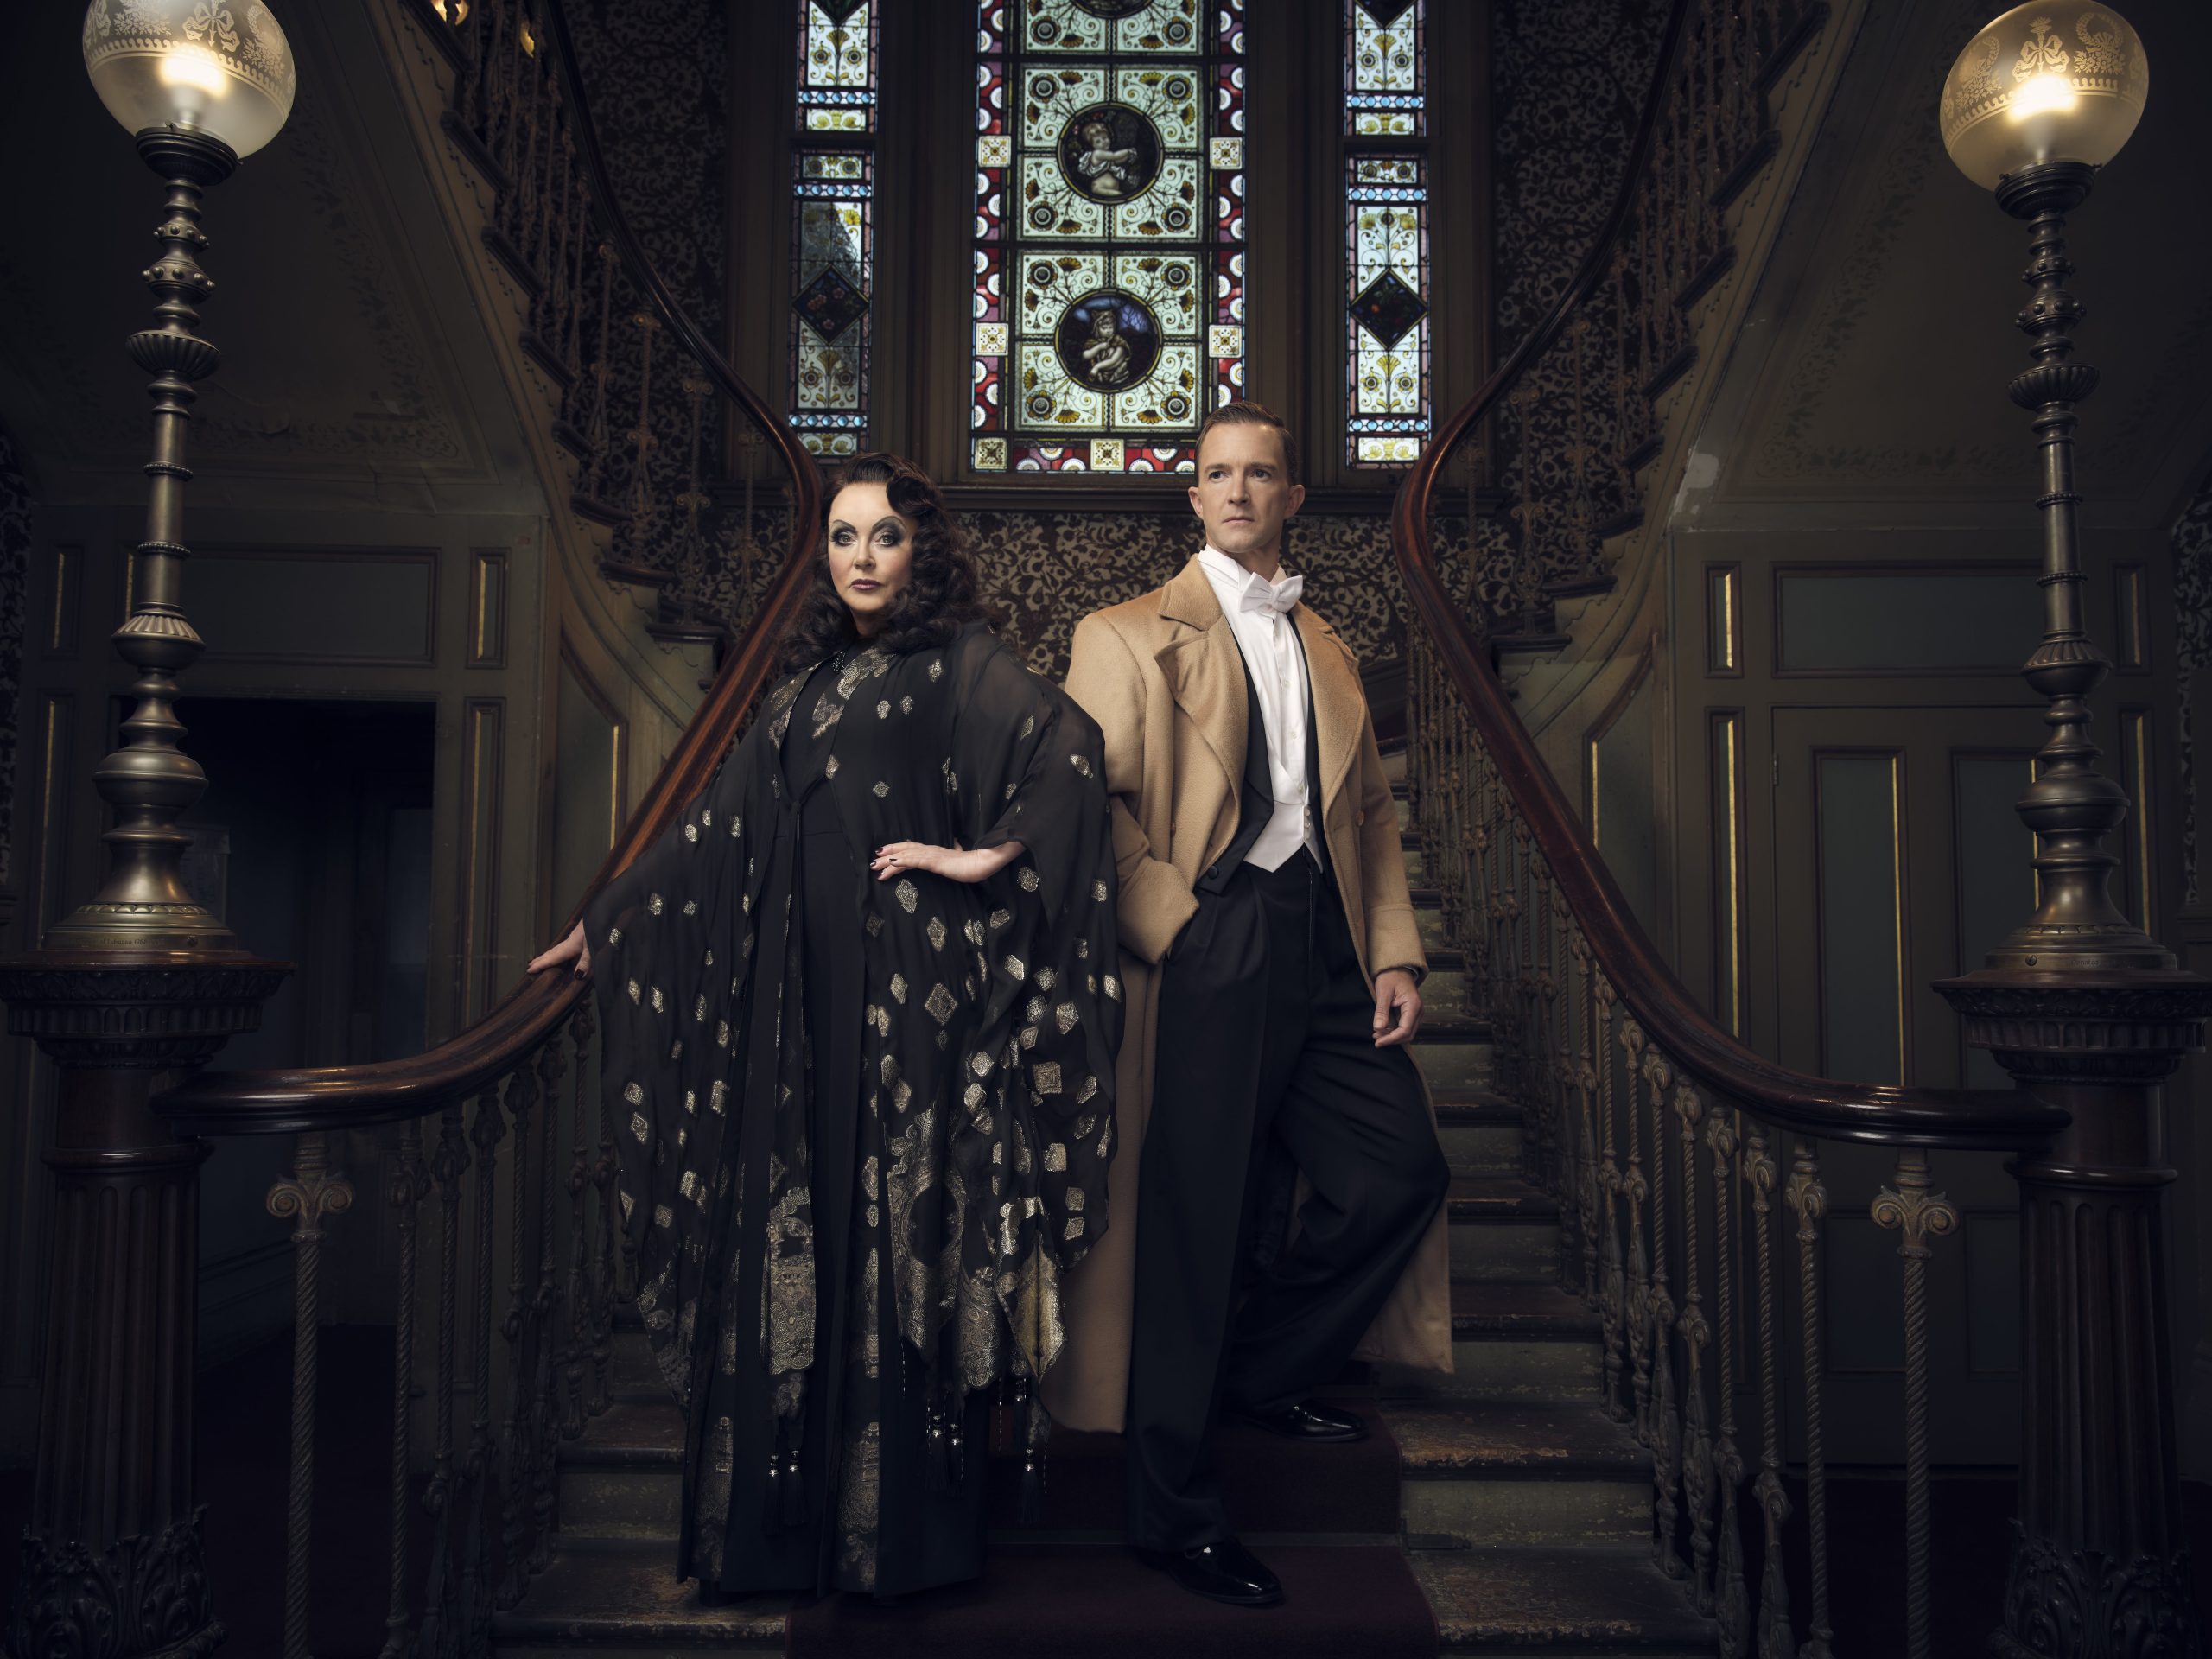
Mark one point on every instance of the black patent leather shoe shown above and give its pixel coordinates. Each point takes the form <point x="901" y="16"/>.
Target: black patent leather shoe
<point x="1225" y="1572"/>
<point x="1311" y="1422"/>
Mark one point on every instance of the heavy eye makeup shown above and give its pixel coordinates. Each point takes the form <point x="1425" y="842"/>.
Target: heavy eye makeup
<point x="887" y="535"/>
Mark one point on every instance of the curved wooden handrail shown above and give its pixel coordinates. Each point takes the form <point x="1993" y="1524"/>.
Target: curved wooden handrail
<point x="288" y="1101"/>
<point x="1645" y="984"/>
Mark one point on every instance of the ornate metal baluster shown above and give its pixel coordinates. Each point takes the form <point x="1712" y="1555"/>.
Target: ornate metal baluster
<point x="466" y="103"/>
<point x="544" y="1421"/>
<point x="579" y="1344"/>
<point x="1589" y="561"/>
<point x="691" y="589"/>
<point x="1627" y="433"/>
<point x="521" y="201"/>
<point x="597" y="433"/>
<point x="1697" y="1422"/>
<point x="441" y="1622"/>
<point x="1809" y="1199"/>
<point x="310" y="1191"/>
<point x="638" y="527"/>
<point x="1537" y="926"/>
<point x="1612" y="1301"/>
<point x="578" y="223"/>
<point x="1477" y="852"/>
<point x="550" y="257"/>
<point x="1517" y="1077"/>
<point x="522" y="1093"/>
<point x="509" y="67"/>
<point x="1666" y="1425"/>
<point x="487" y="1130"/>
<point x="409" y="1182"/>
<point x="492" y="77"/>
<point x="1637" y="1313"/>
<point x="1777" y="1637"/>
<point x="1589" y="1187"/>
<point x="1532" y="615"/>
<point x="1731" y="1606"/>
<point x="1919" y="1215"/>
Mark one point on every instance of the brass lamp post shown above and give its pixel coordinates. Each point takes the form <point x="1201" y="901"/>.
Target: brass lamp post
<point x="2084" y="1008"/>
<point x="142" y="981"/>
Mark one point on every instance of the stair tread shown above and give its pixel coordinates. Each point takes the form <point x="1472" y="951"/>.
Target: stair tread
<point x="1445" y="1439"/>
<point x="1502" y="1308"/>
<point x="1449" y="1028"/>
<point x="628" y="1593"/>
<point x="631" y="1433"/>
<point x="1557" y="1599"/>
<point x="1475" y="1109"/>
<point x="1497" y="1197"/>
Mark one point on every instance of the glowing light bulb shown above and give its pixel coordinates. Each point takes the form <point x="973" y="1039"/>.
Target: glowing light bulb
<point x="2042" y="95"/>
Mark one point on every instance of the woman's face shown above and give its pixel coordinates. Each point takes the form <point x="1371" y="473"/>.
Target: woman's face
<point x="871" y="553"/>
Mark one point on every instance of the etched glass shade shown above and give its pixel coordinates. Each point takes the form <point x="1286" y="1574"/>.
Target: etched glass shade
<point x="2054" y="80"/>
<point x="210" y="67"/>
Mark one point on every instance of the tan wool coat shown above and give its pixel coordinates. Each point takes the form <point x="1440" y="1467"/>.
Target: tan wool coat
<point x="1162" y="676"/>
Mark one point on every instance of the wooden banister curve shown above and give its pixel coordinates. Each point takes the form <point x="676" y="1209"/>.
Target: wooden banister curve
<point x="1646" y="985"/>
<point x="286" y="1101"/>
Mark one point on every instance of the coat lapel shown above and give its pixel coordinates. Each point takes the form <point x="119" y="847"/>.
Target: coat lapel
<point x="1339" y="702"/>
<point x="1203" y="671"/>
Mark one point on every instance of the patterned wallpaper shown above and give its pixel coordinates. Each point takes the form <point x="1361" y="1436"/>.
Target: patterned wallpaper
<point x="655" y="72"/>
<point x="1567" y="84"/>
<point x="2193" y="603"/>
<point x="1567" y="79"/>
<point x="15" y="572"/>
<point x="1050" y="571"/>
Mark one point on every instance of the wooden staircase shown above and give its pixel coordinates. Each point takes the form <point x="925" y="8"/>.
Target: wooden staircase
<point x="1524" y="1512"/>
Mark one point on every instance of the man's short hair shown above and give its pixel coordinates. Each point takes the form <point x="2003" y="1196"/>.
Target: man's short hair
<point x="1244" y="412"/>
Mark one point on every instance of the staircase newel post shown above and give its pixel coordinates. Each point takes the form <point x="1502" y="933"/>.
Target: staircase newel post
<point x="2084" y="1008"/>
<point x="139" y="985"/>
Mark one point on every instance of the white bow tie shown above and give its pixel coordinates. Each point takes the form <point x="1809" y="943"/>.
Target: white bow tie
<point x="1261" y="594"/>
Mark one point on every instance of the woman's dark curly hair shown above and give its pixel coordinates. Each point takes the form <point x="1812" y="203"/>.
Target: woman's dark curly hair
<point x="942" y="595"/>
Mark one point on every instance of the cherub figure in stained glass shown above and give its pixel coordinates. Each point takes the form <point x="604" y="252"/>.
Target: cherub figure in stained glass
<point x="1107" y="356"/>
<point x="1112" y="168"/>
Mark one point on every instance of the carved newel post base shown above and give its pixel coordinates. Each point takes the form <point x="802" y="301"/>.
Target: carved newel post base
<point x="112" y="1557"/>
<point x="2099" y="1568"/>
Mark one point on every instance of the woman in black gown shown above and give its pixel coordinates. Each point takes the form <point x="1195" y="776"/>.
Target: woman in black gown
<point x="861" y="1015"/>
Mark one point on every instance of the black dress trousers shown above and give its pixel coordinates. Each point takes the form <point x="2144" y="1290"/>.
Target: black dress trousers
<point x="1266" y="1051"/>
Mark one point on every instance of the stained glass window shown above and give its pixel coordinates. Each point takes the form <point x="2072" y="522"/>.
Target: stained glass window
<point x="1109" y="232"/>
<point x="1386" y="232"/>
<point x="833" y="227"/>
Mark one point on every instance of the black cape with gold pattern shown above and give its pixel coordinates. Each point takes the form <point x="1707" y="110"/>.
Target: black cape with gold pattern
<point x="992" y="1016"/>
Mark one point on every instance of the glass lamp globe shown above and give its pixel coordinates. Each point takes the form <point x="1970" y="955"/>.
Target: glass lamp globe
<point x="2054" y="80"/>
<point x="216" y="68"/>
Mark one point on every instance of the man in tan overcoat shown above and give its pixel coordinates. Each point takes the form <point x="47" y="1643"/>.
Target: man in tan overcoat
<point x="1271" y="959"/>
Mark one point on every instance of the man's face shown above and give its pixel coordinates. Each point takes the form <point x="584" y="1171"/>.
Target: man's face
<point x="1244" y="493"/>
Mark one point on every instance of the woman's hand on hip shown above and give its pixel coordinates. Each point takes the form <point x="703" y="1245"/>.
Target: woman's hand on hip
<point x="573" y="947"/>
<point x="953" y="863"/>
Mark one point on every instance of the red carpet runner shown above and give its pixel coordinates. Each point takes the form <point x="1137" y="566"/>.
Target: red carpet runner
<point x="1094" y="1600"/>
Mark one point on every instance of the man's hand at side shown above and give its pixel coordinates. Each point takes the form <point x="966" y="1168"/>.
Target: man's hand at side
<point x="1398" y="1008"/>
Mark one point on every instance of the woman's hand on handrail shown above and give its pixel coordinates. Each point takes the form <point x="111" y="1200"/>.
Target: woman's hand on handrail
<point x="952" y="862"/>
<point x="572" y="947"/>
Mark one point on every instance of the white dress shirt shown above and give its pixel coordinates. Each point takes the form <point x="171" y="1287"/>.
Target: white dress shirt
<point x="1259" y="615"/>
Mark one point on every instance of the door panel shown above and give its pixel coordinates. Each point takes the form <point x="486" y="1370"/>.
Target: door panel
<point x="1898" y="861"/>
